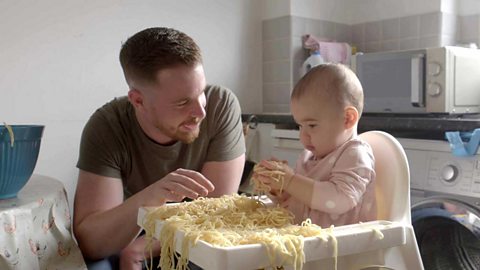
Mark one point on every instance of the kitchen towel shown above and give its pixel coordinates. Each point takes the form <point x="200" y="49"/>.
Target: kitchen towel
<point x="334" y="52"/>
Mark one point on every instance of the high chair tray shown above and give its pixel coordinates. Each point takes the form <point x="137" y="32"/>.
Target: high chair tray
<point x="351" y="239"/>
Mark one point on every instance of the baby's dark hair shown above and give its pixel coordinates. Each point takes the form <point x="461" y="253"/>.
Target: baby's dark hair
<point x="334" y="81"/>
<point x="153" y="49"/>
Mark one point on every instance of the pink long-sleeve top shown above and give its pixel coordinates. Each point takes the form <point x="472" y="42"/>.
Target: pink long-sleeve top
<point x="344" y="187"/>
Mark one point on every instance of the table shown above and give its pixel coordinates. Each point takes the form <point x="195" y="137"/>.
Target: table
<point x="35" y="228"/>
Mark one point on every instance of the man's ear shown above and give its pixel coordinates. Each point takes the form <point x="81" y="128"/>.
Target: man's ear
<point x="136" y="98"/>
<point x="350" y="117"/>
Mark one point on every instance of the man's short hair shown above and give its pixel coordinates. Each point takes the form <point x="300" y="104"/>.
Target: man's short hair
<point x="153" y="49"/>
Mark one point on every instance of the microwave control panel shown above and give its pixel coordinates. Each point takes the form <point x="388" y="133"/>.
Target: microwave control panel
<point x="452" y="80"/>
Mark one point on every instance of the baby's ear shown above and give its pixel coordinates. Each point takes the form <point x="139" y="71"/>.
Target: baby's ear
<point x="350" y="117"/>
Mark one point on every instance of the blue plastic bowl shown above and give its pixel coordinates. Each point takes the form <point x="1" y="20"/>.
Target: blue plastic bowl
<point x="18" y="161"/>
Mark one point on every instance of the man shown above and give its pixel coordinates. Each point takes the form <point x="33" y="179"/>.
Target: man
<point x="173" y="137"/>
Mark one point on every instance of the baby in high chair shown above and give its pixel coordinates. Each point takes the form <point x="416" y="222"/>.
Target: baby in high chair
<point x="333" y="181"/>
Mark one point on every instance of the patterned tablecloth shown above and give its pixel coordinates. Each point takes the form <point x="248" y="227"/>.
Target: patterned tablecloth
<point x="35" y="228"/>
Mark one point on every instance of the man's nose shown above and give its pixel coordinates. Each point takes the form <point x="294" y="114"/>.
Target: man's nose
<point x="199" y="110"/>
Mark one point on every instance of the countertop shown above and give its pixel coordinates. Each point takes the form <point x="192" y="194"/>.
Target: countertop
<point x="425" y="126"/>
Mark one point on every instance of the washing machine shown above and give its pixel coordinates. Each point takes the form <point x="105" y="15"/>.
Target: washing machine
<point x="445" y="200"/>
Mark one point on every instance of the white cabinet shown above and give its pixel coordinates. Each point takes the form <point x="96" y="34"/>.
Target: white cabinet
<point x="286" y="145"/>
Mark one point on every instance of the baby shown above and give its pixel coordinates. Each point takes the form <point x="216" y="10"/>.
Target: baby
<point x="333" y="182"/>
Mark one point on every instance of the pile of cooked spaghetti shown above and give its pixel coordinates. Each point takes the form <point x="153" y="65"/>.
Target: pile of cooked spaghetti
<point x="230" y="221"/>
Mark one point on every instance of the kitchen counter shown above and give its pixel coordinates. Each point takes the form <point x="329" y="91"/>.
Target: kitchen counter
<point x="431" y="127"/>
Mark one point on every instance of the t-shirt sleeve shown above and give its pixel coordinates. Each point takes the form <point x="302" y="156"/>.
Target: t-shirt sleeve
<point x="227" y="141"/>
<point x="97" y="151"/>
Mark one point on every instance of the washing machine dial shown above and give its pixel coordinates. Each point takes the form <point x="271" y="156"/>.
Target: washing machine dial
<point x="449" y="173"/>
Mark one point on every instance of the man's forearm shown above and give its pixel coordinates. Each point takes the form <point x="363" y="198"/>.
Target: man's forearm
<point x="103" y="234"/>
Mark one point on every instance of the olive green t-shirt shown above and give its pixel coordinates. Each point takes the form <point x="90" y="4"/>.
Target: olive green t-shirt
<point x="114" y="145"/>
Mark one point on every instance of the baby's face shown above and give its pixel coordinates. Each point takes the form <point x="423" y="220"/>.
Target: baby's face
<point x="322" y="125"/>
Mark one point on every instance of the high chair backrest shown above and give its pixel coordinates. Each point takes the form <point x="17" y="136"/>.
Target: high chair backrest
<point x="392" y="182"/>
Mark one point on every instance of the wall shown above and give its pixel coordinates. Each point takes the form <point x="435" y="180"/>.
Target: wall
<point x="369" y="25"/>
<point x="377" y="10"/>
<point x="468" y="7"/>
<point x="469" y="22"/>
<point x="283" y="25"/>
<point x="59" y="61"/>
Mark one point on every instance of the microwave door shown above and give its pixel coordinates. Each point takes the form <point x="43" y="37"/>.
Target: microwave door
<point x="393" y="82"/>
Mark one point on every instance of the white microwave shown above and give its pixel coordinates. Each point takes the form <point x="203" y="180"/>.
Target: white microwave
<point x="443" y="80"/>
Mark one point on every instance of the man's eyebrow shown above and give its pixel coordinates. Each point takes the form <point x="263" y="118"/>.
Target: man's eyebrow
<point x="183" y="99"/>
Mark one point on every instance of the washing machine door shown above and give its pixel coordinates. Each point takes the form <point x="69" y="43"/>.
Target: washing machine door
<point x="447" y="232"/>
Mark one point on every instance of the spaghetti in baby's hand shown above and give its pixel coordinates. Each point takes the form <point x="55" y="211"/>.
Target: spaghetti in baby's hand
<point x="269" y="176"/>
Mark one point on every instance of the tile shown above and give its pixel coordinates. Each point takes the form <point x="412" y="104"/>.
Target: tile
<point x="277" y="49"/>
<point x="321" y="29"/>
<point x="343" y="32"/>
<point x="409" y="43"/>
<point x="431" y="41"/>
<point x="276" y="71"/>
<point x="297" y="52"/>
<point x="373" y="47"/>
<point x="276" y="93"/>
<point x="360" y="47"/>
<point x="328" y="29"/>
<point x="469" y="26"/>
<point x="299" y="26"/>
<point x="390" y="29"/>
<point x="430" y="24"/>
<point x="276" y="108"/>
<point x="313" y="27"/>
<point x="475" y="40"/>
<point x="297" y="72"/>
<point x="459" y="28"/>
<point x="373" y="31"/>
<point x="358" y="33"/>
<point x="276" y="28"/>
<point x="390" y="45"/>
<point x="409" y="27"/>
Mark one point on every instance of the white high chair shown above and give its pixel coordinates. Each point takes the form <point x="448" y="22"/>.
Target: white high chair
<point x="392" y="191"/>
<point x="387" y="243"/>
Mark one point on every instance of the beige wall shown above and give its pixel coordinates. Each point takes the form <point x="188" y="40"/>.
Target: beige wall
<point x="59" y="61"/>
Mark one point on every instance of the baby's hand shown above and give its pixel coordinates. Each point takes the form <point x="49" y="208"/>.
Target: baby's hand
<point x="271" y="176"/>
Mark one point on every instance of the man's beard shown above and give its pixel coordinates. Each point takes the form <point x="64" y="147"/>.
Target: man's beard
<point x="176" y="134"/>
<point x="187" y="137"/>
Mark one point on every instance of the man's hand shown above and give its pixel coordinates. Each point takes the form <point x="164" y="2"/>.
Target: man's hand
<point x="105" y="223"/>
<point x="134" y="255"/>
<point x="178" y="185"/>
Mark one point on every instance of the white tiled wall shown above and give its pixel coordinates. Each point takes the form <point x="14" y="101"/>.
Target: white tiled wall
<point x="416" y="31"/>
